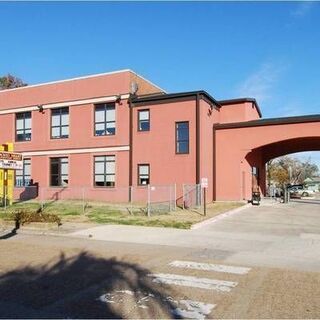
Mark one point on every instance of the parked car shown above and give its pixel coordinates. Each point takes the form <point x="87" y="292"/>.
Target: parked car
<point x="300" y="191"/>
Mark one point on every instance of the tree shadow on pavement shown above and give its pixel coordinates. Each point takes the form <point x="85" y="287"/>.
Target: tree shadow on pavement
<point x="72" y="288"/>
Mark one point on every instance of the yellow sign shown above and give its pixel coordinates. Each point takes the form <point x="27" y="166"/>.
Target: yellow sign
<point x="6" y="176"/>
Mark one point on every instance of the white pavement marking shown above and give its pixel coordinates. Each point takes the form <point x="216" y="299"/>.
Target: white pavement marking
<point x="189" y="309"/>
<point x="209" y="267"/>
<point x="194" y="309"/>
<point x="188" y="281"/>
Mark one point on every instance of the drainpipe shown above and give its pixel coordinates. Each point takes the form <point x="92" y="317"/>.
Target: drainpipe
<point x="197" y="139"/>
<point x="130" y="146"/>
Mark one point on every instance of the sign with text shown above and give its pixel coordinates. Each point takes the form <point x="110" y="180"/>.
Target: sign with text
<point x="204" y="182"/>
<point x="10" y="160"/>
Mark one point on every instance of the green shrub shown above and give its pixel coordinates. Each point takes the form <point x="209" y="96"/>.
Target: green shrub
<point x="23" y="216"/>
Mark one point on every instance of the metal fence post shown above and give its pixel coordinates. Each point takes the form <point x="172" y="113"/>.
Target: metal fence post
<point x="175" y="197"/>
<point x="83" y="204"/>
<point x="41" y="198"/>
<point x="149" y="199"/>
<point x="183" y="207"/>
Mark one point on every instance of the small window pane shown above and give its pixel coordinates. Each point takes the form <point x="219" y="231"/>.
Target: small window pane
<point x="64" y="132"/>
<point x="55" y="120"/>
<point x="20" y="124"/>
<point x="56" y="132"/>
<point x="99" y="178"/>
<point x="143" y="169"/>
<point x="64" y="168"/>
<point x="100" y="115"/>
<point x="110" y="167"/>
<point x="183" y="147"/>
<point x="110" y="178"/>
<point x="111" y="114"/>
<point x="144" y="115"/>
<point x="28" y="123"/>
<point x="64" y="119"/>
<point x="99" y="167"/>
<point x="100" y="129"/>
<point x="111" y="128"/>
<point x="144" y="126"/>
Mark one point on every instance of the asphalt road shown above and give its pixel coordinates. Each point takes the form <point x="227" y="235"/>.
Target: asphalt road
<point x="260" y="263"/>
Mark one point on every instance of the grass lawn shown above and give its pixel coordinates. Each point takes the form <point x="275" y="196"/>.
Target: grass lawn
<point x="73" y="211"/>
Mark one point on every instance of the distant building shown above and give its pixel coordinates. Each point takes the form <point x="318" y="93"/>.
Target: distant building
<point x="312" y="183"/>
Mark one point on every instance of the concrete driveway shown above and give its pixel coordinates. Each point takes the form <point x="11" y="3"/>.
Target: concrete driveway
<point x="271" y="235"/>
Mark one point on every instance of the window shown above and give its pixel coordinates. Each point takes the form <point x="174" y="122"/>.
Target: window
<point x="23" y="177"/>
<point x="143" y="120"/>
<point x="59" y="172"/>
<point x="104" y="171"/>
<point x="105" y="119"/>
<point x="182" y="137"/>
<point x="60" y="123"/>
<point x="143" y="174"/>
<point x="23" y="126"/>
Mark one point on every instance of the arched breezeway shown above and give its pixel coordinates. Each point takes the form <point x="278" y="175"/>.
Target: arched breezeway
<point x="240" y="147"/>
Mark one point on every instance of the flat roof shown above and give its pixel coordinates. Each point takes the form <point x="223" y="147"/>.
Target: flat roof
<point x="270" y="121"/>
<point x="242" y="100"/>
<point x="172" y="96"/>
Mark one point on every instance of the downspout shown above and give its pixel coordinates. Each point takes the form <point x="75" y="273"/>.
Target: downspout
<point x="130" y="146"/>
<point x="197" y="139"/>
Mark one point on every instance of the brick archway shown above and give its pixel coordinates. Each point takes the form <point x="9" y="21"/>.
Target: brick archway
<point x="241" y="146"/>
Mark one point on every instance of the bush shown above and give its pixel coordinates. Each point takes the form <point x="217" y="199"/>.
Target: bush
<point x="22" y="216"/>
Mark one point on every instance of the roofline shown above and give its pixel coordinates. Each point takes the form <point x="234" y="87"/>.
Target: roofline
<point x="242" y="100"/>
<point x="170" y="96"/>
<point x="153" y="84"/>
<point x="270" y="121"/>
<point x="80" y="78"/>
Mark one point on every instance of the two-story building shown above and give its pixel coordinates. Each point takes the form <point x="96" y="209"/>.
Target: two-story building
<point x="114" y="130"/>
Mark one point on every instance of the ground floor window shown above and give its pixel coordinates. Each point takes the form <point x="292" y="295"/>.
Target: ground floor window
<point x="59" y="172"/>
<point x="23" y="177"/>
<point x="104" y="171"/>
<point x="143" y="174"/>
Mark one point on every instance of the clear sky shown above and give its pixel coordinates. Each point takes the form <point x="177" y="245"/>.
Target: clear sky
<point x="269" y="50"/>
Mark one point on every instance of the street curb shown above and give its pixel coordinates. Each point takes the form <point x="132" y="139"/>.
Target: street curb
<point x="219" y="217"/>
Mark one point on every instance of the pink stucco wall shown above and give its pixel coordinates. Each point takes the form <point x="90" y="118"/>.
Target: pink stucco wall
<point x="157" y="146"/>
<point x="238" y="112"/>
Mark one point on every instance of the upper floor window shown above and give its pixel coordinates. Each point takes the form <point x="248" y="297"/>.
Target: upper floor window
<point x="105" y="119"/>
<point x="144" y="120"/>
<point x="182" y="137"/>
<point x="104" y="171"/>
<point x="23" y="126"/>
<point x="143" y="174"/>
<point x="59" y="172"/>
<point x="60" y="123"/>
<point x="23" y="177"/>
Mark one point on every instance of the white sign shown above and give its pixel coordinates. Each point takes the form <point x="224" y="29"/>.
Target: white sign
<point x="204" y="182"/>
<point x="10" y="160"/>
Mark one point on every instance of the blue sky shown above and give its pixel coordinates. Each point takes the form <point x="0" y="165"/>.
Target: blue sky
<point x="267" y="50"/>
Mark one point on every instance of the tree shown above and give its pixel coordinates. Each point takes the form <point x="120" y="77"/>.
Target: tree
<point x="9" y="82"/>
<point x="289" y="170"/>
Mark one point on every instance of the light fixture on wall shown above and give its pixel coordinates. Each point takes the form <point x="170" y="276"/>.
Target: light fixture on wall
<point x="40" y="108"/>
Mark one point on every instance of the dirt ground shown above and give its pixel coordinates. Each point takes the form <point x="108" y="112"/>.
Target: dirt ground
<point x="57" y="277"/>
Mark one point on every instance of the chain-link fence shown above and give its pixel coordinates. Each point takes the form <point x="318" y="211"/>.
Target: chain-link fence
<point x="192" y="196"/>
<point x="161" y="199"/>
<point x="143" y="199"/>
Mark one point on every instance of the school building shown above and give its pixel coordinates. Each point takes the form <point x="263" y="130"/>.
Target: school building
<point x="114" y="130"/>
